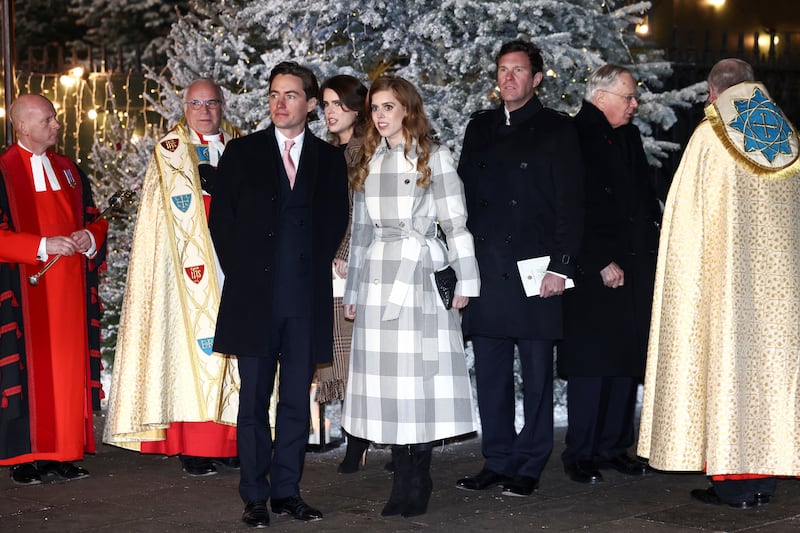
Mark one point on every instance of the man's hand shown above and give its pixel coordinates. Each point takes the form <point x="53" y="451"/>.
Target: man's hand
<point x="613" y="276"/>
<point x="63" y="245"/>
<point x="82" y="240"/>
<point x="349" y="311"/>
<point x="552" y="285"/>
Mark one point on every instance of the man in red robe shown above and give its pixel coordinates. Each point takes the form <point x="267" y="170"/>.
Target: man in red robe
<point x="49" y="332"/>
<point x="171" y="393"/>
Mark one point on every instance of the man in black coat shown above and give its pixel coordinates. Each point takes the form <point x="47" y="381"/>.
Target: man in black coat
<point x="278" y="214"/>
<point x="522" y="178"/>
<point x="607" y="315"/>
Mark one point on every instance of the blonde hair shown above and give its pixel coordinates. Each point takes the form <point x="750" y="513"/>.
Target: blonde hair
<point x="415" y="128"/>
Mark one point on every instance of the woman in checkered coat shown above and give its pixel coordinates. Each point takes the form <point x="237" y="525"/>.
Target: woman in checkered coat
<point x="408" y="384"/>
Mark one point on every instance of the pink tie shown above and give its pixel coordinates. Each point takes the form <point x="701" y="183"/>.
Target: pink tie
<point x="288" y="164"/>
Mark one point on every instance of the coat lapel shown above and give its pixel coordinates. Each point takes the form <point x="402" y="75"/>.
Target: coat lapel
<point x="309" y="160"/>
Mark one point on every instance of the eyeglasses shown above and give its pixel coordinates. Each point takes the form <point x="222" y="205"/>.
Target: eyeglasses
<point x="209" y="104"/>
<point x="628" y="97"/>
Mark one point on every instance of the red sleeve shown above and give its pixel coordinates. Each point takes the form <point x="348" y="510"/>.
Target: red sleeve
<point x="18" y="247"/>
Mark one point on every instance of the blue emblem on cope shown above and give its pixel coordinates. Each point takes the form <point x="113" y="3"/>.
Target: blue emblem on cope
<point x="207" y="345"/>
<point x="764" y="128"/>
<point x="182" y="201"/>
<point x="202" y="154"/>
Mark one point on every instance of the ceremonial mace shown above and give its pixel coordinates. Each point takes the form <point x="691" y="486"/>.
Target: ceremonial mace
<point x="115" y="201"/>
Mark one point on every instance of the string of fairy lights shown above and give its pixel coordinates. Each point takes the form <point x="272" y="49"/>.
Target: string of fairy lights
<point x="88" y="106"/>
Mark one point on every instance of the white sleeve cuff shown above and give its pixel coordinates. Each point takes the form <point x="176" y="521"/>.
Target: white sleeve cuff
<point x="41" y="253"/>
<point x="92" y="251"/>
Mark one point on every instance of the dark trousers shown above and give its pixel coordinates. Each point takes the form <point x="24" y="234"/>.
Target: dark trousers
<point x="601" y="411"/>
<point x="507" y="452"/>
<point x="744" y="490"/>
<point x="259" y="456"/>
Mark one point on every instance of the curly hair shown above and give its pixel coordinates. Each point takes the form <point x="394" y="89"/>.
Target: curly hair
<point x="416" y="131"/>
<point x="352" y="94"/>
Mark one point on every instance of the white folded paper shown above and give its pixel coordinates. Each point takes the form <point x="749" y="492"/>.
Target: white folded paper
<point x="338" y="285"/>
<point x="532" y="271"/>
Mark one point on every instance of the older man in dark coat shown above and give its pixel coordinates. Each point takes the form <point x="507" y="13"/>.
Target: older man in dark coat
<point x="607" y="314"/>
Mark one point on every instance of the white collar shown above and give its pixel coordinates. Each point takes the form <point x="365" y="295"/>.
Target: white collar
<point x="41" y="166"/>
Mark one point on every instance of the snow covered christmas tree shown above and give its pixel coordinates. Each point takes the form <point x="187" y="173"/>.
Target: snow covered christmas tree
<point x="446" y="48"/>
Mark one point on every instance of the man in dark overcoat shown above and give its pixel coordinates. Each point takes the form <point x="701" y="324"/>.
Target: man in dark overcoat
<point x="522" y="174"/>
<point x="607" y="315"/>
<point x="278" y="214"/>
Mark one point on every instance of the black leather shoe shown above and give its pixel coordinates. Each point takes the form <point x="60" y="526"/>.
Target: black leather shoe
<point x="583" y="472"/>
<point x="64" y="470"/>
<point x="482" y="480"/>
<point x="711" y="497"/>
<point x="198" y="466"/>
<point x="227" y="462"/>
<point x="255" y="514"/>
<point x="295" y="506"/>
<point x="25" y="474"/>
<point x="521" y="486"/>
<point x="626" y="465"/>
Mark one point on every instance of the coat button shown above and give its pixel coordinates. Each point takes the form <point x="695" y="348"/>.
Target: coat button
<point x="402" y="224"/>
<point x="608" y="190"/>
<point x="481" y="164"/>
<point x="270" y="234"/>
<point x="484" y="203"/>
<point x="512" y="203"/>
<point x="273" y="198"/>
<point x="505" y="275"/>
<point x="266" y="269"/>
<point x="508" y="239"/>
<point x="407" y="181"/>
<point x="376" y="281"/>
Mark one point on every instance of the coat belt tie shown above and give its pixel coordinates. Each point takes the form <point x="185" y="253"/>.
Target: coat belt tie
<point x="414" y="252"/>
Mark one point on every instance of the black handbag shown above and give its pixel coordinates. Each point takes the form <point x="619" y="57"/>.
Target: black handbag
<point x="446" y="285"/>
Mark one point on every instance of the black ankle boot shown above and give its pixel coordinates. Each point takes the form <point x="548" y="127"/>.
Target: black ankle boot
<point x="401" y="457"/>
<point x="355" y="456"/>
<point x="421" y="486"/>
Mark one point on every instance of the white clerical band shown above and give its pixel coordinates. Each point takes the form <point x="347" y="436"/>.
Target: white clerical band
<point x="40" y="165"/>
<point x="216" y="146"/>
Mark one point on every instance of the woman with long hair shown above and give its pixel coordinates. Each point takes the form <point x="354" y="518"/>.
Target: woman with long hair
<point x="343" y="106"/>
<point x="408" y="383"/>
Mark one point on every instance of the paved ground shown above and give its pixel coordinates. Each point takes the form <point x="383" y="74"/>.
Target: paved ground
<point x="129" y="492"/>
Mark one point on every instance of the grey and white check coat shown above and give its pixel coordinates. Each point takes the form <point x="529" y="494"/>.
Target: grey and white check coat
<point x="408" y="380"/>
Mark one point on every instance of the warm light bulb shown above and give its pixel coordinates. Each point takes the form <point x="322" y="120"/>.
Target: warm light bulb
<point x="763" y="41"/>
<point x="716" y="3"/>
<point x="92" y="114"/>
